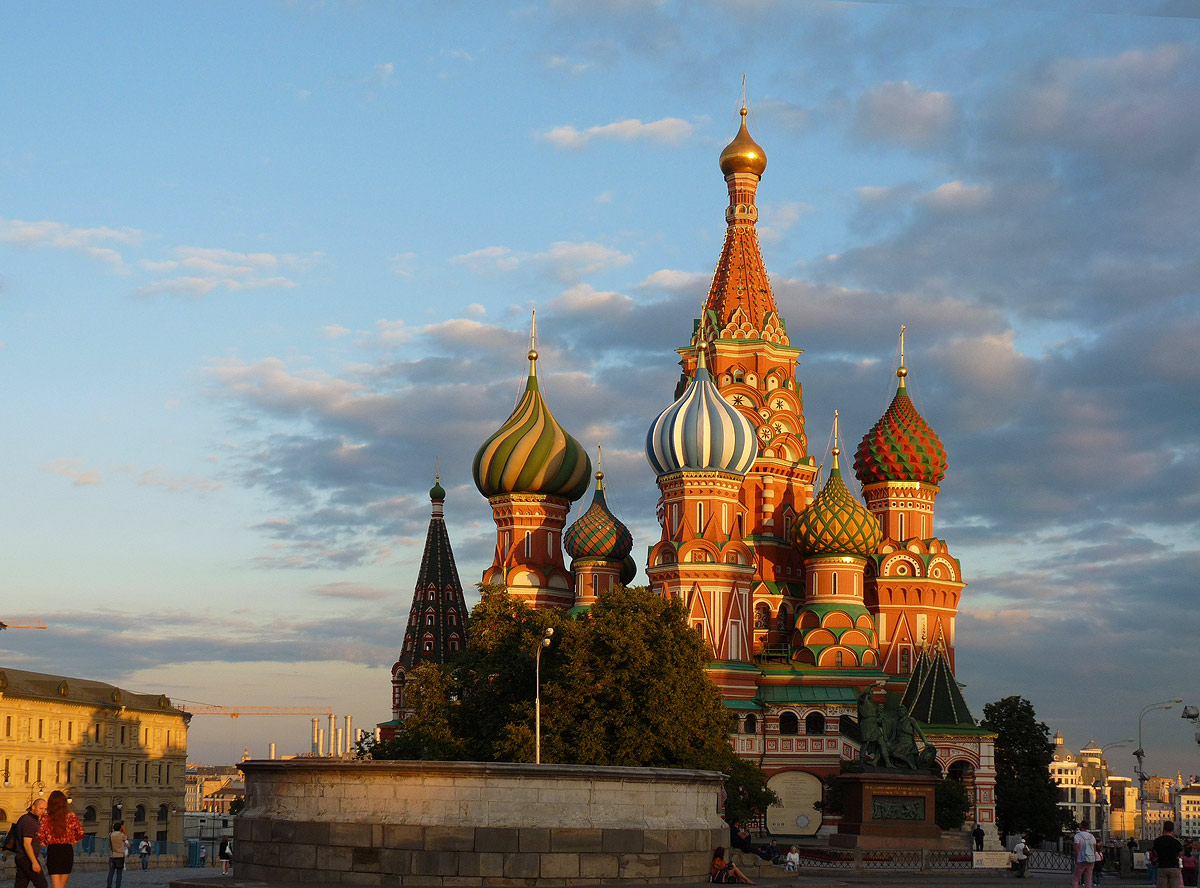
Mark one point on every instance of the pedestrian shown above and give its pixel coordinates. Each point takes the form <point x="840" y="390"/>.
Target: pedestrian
<point x="144" y="853"/>
<point x="793" y="859"/>
<point x="58" y="831"/>
<point x="1098" y="866"/>
<point x="225" y="853"/>
<point x="1023" y="854"/>
<point x="1168" y="850"/>
<point x="1152" y="866"/>
<point x="118" y="845"/>
<point x="977" y="835"/>
<point x="1188" y="865"/>
<point x="1085" y="856"/>
<point x="25" y="858"/>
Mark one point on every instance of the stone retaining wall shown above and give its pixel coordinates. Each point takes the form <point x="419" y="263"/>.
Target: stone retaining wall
<point x="475" y="824"/>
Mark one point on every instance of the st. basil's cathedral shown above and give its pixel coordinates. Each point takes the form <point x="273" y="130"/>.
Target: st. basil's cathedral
<point x="805" y="597"/>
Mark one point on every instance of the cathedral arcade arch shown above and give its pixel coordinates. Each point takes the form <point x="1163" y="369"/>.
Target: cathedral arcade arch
<point x="789" y="723"/>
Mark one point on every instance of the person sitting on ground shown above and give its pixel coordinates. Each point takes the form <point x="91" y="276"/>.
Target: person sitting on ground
<point x="792" y="862"/>
<point x="771" y="852"/>
<point x="723" y="872"/>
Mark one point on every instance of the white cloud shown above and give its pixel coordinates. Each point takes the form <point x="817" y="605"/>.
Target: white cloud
<point x="670" y="279"/>
<point x="68" y="467"/>
<point x="957" y="196"/>
<point x="402" y="264"/>
<point x="669" y="131"/>
<point x="334" y="331"/>
<point x="214" y="267"/>
<point x="583" y="298"/>
<point x="475" y="310"/>
<point x="604" y="197"/>
<point x="565" y="261"/>
<point x="774" y="220"/>
<point x="86" y="241"/>
<point x="899" y="112"/>
<point x="384" y="72"/>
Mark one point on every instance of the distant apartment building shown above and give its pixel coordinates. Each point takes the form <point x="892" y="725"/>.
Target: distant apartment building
<point x="117" y="754"/>
<point x="213" y="788"/>
<point x="1122" y="807"/>
<point x="1187" y="812"/>
<point x="1083" y="784"/>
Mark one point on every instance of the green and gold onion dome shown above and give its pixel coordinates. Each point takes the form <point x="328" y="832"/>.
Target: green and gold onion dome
<point x="835" y="523"/>
<point x="598" y="533"/>
<point x="743" y="154"/>
<point x="531" y="453"/>
<point x="901" y="446"/>
<point x="437" y="493"/>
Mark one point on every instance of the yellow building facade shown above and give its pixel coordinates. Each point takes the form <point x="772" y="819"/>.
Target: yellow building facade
<point x="116" y="754"/>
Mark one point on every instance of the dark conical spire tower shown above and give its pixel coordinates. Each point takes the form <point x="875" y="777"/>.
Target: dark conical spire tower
<point x="437" y="620"/>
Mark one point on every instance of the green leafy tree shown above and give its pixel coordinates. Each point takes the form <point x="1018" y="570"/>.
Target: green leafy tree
<point x="1026" y="797"/>
<point x="951" y="804"/>
<point x="623" y="685"/>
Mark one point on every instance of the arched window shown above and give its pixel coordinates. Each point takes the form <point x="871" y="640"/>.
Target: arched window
<point x="164" y="813"/>
<point x="960" y="771"/>
<point x="89" y="814"/>
<point x="428" y="646"/>
<point x="814" y="723"/>
<point x="838" y="659"/>
<point x="751" y="724"/>
<point x="139" y="814"/>
<point x="905" y="660"/>
<point x="762" y="615"/>
<point x="789" y="723"/>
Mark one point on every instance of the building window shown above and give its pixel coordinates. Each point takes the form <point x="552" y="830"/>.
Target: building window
<point x="835" y="578"/>
<point x="789" y="723"/>
<point x="751" y="724"/>
<point x="838" y="659"/>
<point x="429" y="619"/>
<point x="905" y="660"/>
<point x="528" y="544"/>
<point x="428" y="646"/>
<point x="814" y="723"/>
<point x="122" y="735"/>
<point x="8" y="726"/>
<point x="70" y="730"/>
<point x="122" y="772"/>
<point x="41" y="726"/>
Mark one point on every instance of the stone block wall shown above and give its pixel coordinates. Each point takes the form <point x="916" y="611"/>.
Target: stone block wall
<point x="475" y="824"/>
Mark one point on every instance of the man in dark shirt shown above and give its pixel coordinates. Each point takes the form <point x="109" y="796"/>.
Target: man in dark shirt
<point x="977" y="835"/>
<point x="29" y="868"/>
<point x="1167" y="850"/>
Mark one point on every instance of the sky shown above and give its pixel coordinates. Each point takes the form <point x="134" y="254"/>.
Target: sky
<point x="264" y="266"/>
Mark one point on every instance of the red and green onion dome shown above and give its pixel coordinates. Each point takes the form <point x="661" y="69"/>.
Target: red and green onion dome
<point x="598" y="533"/>
<point x="531" y="453"/>
<point x="835" y="523"/>
<point x="901" y="446"/>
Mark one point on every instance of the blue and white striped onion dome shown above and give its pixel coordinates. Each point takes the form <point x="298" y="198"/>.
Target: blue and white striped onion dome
<point x="701" y="432"/>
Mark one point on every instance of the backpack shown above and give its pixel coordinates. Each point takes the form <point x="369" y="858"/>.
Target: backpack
<point x="10" y="841"/>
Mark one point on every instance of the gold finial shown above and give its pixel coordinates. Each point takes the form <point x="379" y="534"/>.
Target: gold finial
<point x="437" y="467"/>
<point x="836" y="450"/>
<point x="533" y="355"/>
<point x="599" y="467"/>
<point x="902" y="371"/>
<point x="743" y="154"/>
<point x="701" y="361"/>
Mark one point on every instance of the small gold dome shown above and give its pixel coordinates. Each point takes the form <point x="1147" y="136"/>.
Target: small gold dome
<point x="743" y="154"/>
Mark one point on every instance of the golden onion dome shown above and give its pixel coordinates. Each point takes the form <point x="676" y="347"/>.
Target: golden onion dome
<point x="743" y="154"/>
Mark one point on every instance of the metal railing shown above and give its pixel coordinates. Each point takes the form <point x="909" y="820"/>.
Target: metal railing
<point x="1054" y="861"/>
<point x="949" y="860"/>
<point x="892" y="860"/>
<point x="830" y="859"/>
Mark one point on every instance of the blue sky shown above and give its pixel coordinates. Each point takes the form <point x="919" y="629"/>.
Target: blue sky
<point x="262" y="264"/>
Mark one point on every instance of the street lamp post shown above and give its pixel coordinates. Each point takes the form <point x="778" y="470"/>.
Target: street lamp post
<point x="537" y="696"/>
<point x="1140" y="755"/>
<point x="1101" y="787"/>
<point x="40" y="787"/>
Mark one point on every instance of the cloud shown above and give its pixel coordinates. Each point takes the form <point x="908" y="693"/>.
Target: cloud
<point x="384" y="72"/>
<point x="157" y="477"/>
<point x="667" y="131"/>
<point x="71" y="468"/>
<point x="350" y="589"/>
<point x="564" y="261"/>
<point x="205" y="269"/>
<point x="90" y="242"/>
<point x="334" y="331"/>
<point x="900" y="112"/>
<point x="775" y="220"/>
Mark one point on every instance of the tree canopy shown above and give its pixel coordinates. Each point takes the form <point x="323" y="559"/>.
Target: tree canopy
<point x="623" y="684"/>
<point x="1026" y="797"/>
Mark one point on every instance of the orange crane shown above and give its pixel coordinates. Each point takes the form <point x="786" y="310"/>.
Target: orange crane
<point x="236" y="711"/>
<point x="22" y="624"/>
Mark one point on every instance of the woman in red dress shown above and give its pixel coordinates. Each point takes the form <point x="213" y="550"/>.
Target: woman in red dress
<point x="58" y="831"/>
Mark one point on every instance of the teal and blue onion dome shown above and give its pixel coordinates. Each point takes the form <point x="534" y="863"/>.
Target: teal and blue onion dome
<point x="531" y="453"/>
<point x="835" y="523"/>
<point x="598" y="533"/>
<point x="701" y="431"/>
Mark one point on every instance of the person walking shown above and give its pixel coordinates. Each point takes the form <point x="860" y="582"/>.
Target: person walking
<point x="977" y="835"/>
<point x="225" y="853"/>
<point x="118" y="845"/>
<point x="25" y="858"/>
<point x="1023" y="854"/>
<point x="144" y="852"/>
<point x="1085" y="856"/>
<point x="1168" y="850"/>
<point x="58" y="830"/>
<point x="1098" y="866"/>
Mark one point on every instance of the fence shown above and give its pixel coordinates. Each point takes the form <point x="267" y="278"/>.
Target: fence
<point x="899" y="860"/>
<point x="1054" y="861"/>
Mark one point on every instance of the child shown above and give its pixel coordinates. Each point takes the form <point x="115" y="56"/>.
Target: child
<point x="792" y="860"/>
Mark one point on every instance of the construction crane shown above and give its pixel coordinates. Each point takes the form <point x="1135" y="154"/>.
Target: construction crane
<point x="22" y="624"/>
<point x="236" y="711"/>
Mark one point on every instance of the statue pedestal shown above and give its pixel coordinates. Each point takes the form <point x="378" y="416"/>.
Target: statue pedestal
<point x="889" y="810"/>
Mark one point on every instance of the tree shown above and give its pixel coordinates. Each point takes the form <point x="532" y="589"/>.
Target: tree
<point x="951" y="804"/>
<point x="1026" y="797"/>
<point x="623" y="685"/>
